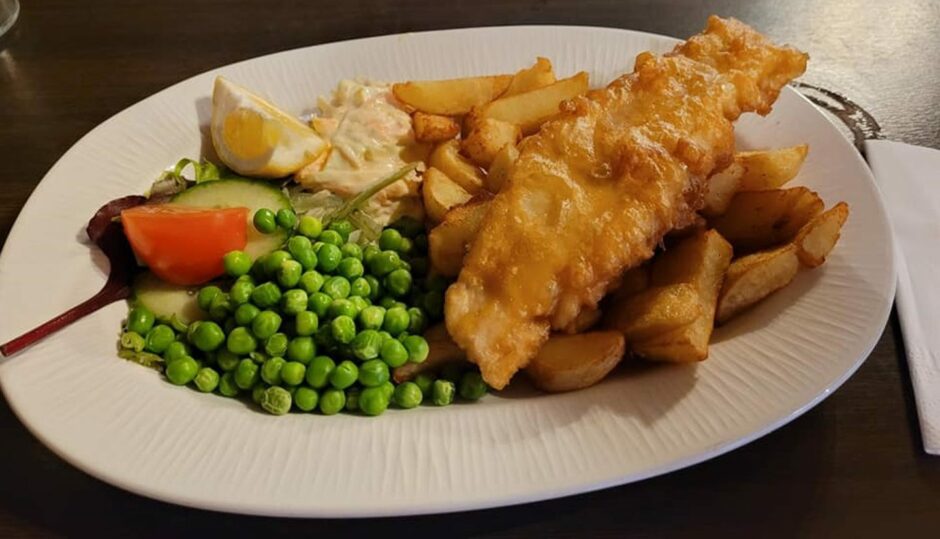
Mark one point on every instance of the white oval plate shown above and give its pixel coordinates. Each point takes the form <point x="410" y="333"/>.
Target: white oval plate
<point x="125" y="425"/>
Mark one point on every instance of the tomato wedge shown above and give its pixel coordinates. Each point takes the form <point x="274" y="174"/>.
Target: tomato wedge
<point x="183" y="245"/>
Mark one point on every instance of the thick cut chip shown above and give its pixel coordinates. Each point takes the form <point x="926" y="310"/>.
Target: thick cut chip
<point x="451" y="97"/>
<point x="760" y="219"/>
<point x="722" y="186"/>
<point x="434" y="128"/>
<point x="440" y="194"/>
<point x="819" y="236"/>
<point x="448" y="242"/>
<point x="770" y="169"/>
<point x="500" y="169"/>
<point x="569" y="362"/>
<point x="530" y="109"/>
<point x="487" y="137"/>
<point x="754" y="277"/>
<point x="446" y="158"/>
<point x="654" y="311"/>
<point x="531" y="78"/>
<point x="700" y="261"/>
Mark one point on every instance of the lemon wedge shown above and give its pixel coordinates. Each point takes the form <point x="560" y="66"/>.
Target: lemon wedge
<point x="255" y="138"/>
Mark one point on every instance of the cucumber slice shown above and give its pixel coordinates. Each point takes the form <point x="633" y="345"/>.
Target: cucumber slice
<point x="166" y="300"/>
<point x="250" y="194"/>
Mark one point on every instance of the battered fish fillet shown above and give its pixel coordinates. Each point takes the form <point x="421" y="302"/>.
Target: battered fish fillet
<point x="593" y="192"/>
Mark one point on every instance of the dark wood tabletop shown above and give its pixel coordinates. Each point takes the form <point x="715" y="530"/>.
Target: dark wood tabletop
<point x="853" y="466"/>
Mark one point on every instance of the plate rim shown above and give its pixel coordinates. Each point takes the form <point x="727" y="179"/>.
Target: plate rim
<point x="448" y="506"/>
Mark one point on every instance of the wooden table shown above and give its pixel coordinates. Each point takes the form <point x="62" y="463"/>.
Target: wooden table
<point x="853" y="466"/>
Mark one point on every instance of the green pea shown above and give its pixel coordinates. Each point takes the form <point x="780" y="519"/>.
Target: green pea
<point x="317" y="245"/>
<point x="288" y="275"/>
<point x="352" y="398"/>
<point x="405" y="265"/>
<point x="388" y="388"/>
<point x="245" y="314"/>
<point x="332" y="401"/>
<point x="178" y="325"/>
<point x="159" y="338"/>
<point x="343" y="329"/>
<point x="384" y="263"/>
<point x="208" y="336"/>
<point x="344" y="375"/>
<point x="336" y="287"/>
<point x="369" y="252"/>
<point x="226" y="360"/>
<point x="276" y="400"/>
<point x="265" y="221"/>
<point x="408" y="226"/>
<point x="204" y="297"/>
<point x="351" y="250"/>
<point x="375" y="287"/>
<point x="373" y="372"/>
<point x="360" y="288"/>
<point x="405" y="246"/>
<point x="271" y="370"/>
<point x="389" y="302"/>
<point x="276" y="345"/>
<point x="240" y="293"/>
<point x="311" y="281"/>
<point x="305" y="398"/>
<point x="227" y="385"/>
<point x="417" y="320"/>
<point x="182" y="371"/>
<point x="442" y="392"/>
<point x="398" y="282"/>
<point x="371" y="317"/>
<point x="425" y="382"/>
<point x="319" y="303"/>
<point x="293" y="373"/>
<point x="257" y="392"/>
<point x="343" y="227"/>
<point x="294" y="301"/>
<point x="390" y="239"/>
<point x="266" y="295"/>
<point x="246" y="373"/>
<point x="266" y="324"/>
<point x="328" y="257"/>
<point x="421" y="242"/>
<point x="307" y="259"/>
<point x="175" y="350"/>
<point x="331" y="237"/>
<point x="319" y="371"/>
<point x="351" y="268"/>
<point x="306" y="323"/>
<point x="131" y="340"/>
<point x="408" y="395"/>
<point x="433" y="303"/>
<point x="419" y="265"/>
<point x="373" y="401"/>
<point x="342" y="307"/>
<point x="297" y="244"/>
<point x="359" y="303"/>
<point x="301" y="349"/>
<point x="236" y="263"/>
<point x="220" y="307"/>
<point x="286" y="218"/>
<point x="472" y="386"/>
<point x="140" y="320"/>
<point x="309" y="226"/>
<point x="366" y="345"/>
<point x="394" y="353"/>
<point x="207" y="379"/>
<point x="396" y="320"/>
<point x="273" y="261"/>
<point x="241" y="342"/>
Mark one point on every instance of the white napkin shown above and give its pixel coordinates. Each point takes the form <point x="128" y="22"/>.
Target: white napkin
<point x="909" y="179"/>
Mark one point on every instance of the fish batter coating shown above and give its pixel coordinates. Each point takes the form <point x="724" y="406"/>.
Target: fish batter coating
<point x="597" y="188"/>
